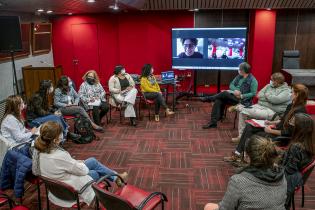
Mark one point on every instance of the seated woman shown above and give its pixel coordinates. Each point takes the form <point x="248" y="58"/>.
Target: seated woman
<point x="123" y="91"/>
<point x="92" y="95"/>
<point x="51" y="161"/>
<point x="261" y="185"/>
<point x="12" y="125"/>
<point x="152" y="91"/>
<point x="66" y="100"/>
<point x="38" y="111"/>
<point x="281" y="127"/>
<point x="300" y="153"/>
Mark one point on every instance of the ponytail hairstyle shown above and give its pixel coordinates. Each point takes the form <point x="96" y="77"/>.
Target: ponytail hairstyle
<point x="301" y="92"/>
<point x="261" y="151"/>
<point x="49" y="137"/>
<point x="304" y="132"/>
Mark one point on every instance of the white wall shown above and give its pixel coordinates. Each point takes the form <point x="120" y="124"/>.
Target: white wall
<point x="6" y="71"/>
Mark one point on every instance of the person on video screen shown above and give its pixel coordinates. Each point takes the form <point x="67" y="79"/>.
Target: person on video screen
<point x="189" y="45"/>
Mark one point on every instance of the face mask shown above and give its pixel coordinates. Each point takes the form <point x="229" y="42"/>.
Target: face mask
<point x="271" y="83"/>
<point x="70" y="84"/>
<point x="90" y="80"/>
<point x="51" y="89"/>
<point x="123" y="71"/>
<point x="65" y="89"/>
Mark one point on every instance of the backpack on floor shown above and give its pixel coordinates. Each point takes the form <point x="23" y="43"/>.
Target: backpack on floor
<point x="84" y="127"/>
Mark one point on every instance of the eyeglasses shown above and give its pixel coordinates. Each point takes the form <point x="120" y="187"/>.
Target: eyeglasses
<point x="189" y="45"/>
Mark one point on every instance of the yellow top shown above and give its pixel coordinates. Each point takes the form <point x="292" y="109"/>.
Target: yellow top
<point x="149" y="84"/>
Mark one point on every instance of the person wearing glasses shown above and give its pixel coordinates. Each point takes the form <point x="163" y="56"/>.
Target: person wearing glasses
<point x="189" y="45"/>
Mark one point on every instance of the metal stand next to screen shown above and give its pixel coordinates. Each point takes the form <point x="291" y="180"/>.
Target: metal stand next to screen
<point x="15" y="82"/>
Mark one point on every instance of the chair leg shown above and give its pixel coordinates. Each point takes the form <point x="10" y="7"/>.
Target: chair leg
<point x="162" y="205"/>
<point x="110" y="113"/>
<point x="149" y="112"/>
<point x="293" y="203"/>
<point x="120" y="115"/>
<point x="302" y="196"/>
<point x="47" y="199"/>
<point x="38" y="196"/>
<point x="78" y="203"/>
<point x="235" y="118"/>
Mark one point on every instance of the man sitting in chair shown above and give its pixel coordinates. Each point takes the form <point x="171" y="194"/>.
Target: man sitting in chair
<point x="123" y="92"/>
<point x="242" y="89"/>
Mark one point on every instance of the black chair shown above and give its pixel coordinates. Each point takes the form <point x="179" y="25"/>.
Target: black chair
<point x="291" y="59"/>
<point x="63" y="191"/>
<point x="128" y="197"/>
<point x="306" y="172"/>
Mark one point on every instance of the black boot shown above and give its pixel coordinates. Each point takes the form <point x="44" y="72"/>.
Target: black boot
<point x="207" y="99"/>
<point x="133" y="121"/>
<point x="209" y="125"/>
<point x="73" y="136"/>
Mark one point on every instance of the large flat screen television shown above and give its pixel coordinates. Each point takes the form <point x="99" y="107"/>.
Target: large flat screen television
<point x="208" y="48"/>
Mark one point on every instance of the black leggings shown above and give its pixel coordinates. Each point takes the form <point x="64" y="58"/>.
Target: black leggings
<point x="221" y="100"/>
<point x="159" y="100"/>
<point x="99" y="112"/>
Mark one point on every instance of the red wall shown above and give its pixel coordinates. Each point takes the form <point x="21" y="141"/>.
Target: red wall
<point x="138" y="38"/>
<point x="261" y="44"/>
<point x="128" y="39"/>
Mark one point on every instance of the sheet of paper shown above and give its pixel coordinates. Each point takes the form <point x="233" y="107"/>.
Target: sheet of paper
<point x="95" y="103"/>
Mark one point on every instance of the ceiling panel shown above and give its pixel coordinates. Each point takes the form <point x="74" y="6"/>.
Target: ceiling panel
<point x="82" y="6"/>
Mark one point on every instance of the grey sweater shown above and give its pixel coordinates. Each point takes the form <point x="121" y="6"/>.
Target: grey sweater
<point x="275" y="99"/>
<point x="245" y="191"/>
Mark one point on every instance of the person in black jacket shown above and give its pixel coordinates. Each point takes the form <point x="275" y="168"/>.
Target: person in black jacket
<point x="39" y="112"/>
<point x="300" y="153"/>
<point x="273" y="128"/>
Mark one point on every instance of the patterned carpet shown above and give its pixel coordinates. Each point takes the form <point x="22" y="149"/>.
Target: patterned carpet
<point x="175" y="156"/>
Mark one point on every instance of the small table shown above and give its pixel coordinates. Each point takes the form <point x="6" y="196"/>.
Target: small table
<point x="304" y="76"/>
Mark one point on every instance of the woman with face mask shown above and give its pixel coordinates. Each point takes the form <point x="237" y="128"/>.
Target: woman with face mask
<point x="66" y="100"/>
<point x="12" y="125"/>
<point x="152" y="91"/>
<point x="92" y="95"/>
<point x="39" y="112"/>
<point x="123" y="92"/>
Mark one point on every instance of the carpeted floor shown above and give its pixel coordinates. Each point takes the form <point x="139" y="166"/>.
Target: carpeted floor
<point x="175" y="156"/>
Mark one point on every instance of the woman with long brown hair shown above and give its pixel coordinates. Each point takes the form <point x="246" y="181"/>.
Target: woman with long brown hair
<point x="51" y="161"/>
<point x="260" y="185"/>
<point x="273" y="128"/>
<point x="300" y="153"/>
<point x="12" y="125"/>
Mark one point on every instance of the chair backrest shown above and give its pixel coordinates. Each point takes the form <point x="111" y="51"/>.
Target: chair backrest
<point x="291" y="59"/>
<point x="306" y="171"/>
<point x="111" y="201"/>
<point x="60" y="190"/>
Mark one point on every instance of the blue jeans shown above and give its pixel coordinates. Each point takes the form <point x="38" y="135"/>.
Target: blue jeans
<point x="98" y="170"/>
<point x="59" y="119"/>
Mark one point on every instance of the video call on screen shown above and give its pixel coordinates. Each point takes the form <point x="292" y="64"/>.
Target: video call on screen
<point x="208" y="48"/>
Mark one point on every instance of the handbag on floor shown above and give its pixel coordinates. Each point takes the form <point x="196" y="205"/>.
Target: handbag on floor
<point x="84" y="127"/>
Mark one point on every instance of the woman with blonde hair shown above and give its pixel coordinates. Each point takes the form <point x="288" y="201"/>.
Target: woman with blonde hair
<point x="12" y="125"/>
<point x="92" y="96"/>
<point x="260" y="185"/>
<point x="51" y="161"/>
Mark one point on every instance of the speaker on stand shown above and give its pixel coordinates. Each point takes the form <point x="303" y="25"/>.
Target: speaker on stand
<point x="11" y="41"/>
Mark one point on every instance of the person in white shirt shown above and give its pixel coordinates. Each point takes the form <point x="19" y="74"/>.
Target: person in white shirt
<point x="51" y="161"/>
<point x="12" y="125"/>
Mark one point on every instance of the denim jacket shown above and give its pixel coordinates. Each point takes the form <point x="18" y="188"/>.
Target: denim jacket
<point x="62" y="100"/>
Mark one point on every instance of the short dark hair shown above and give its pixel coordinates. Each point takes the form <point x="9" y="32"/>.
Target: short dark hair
<point x="245" y="67"/>
<point x="118" y="69"/>
<point x="146" y="70"/>
<point x="193" y="40"/>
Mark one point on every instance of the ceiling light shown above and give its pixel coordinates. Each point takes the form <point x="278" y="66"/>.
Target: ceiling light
<point x="49" y="11"/>
<point x="193" y="10"/>
<point x="91" y="1"/>
<point x="40" y="10"/>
